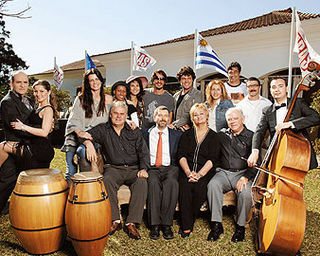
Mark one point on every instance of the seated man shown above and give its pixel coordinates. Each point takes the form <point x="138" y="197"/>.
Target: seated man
<point x="163" y="187"/>
<point x="232" y="174"/>
<point x="127" y="161"/>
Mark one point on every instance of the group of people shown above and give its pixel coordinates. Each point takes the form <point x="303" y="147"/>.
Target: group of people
<point x="166" y="148"/>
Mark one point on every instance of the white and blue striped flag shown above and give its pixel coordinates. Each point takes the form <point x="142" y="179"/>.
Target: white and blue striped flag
<point x="207" y="58"/>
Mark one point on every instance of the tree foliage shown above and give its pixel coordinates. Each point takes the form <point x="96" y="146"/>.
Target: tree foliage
<point x="9" y="60"/>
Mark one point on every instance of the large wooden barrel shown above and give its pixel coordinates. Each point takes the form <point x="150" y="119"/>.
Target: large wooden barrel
<point x="37" y="208"/>
<point x="88" y="214"/>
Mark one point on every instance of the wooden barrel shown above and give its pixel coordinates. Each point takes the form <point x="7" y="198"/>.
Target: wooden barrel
<point x="37" y="208"/>
<point x="88" y="214"/>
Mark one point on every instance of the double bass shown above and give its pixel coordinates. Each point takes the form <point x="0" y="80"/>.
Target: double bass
<point x="278" y="186"/>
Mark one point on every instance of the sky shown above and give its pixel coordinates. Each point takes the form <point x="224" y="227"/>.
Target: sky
<point x="66" y="28"/>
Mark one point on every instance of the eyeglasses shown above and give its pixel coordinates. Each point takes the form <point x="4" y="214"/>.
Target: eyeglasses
<point x="159" y="78"/>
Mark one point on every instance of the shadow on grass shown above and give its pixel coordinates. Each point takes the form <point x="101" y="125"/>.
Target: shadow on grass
<point x="12" y="246"/>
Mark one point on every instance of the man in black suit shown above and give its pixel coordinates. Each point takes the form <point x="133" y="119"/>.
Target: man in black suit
<point x="163" y="186"/>
<point x="15" y="105"/>
<point x="302" y="117"/>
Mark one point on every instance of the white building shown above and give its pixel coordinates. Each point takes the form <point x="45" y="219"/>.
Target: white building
<point x="260" y="45"/>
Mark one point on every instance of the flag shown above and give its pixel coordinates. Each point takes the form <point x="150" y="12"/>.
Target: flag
<point x="142" y="61"/>
<point x="88" y="62"/>
<point x="207" y="58"/>
<point x="303" y="48"/>
<point x="57" y="75"/>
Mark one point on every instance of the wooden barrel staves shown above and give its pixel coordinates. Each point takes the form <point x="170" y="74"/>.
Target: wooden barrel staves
<point x="37" y="208"/>
<point x="88" y="214"/>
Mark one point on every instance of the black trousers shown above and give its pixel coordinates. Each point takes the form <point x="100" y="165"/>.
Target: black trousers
<point x="8" y="177"/>
<point x="191" y="196"/>
<point x="163" y="191"/>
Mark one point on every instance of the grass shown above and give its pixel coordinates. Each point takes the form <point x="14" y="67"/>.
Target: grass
<point x="120" y="244"/>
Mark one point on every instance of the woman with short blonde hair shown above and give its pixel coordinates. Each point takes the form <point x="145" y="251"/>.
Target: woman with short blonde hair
<point x="197" y="155"/>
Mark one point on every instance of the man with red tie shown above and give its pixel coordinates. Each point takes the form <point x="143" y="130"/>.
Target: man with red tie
<point x="163" y="187"/>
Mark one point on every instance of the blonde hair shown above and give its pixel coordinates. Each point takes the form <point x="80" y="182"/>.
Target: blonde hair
<point x="224" y="95"/>
<point x="196" y="107"/>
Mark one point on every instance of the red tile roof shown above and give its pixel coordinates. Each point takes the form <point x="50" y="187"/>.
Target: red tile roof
<point x="273" y="18"/>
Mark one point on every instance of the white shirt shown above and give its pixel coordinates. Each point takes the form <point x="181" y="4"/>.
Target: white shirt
<point x="252" y="110"/>
<point x="281" y="112"/>
<point x="236" y="93"/>
<point x="212" y="117"/>
<point x="153" y="143"/>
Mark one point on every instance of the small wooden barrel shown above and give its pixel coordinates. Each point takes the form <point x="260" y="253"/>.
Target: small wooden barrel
<point x="37" y="208"/>
<point x="88" y="214"/>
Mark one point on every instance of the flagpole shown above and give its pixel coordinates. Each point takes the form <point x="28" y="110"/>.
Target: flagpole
<point x="85" y="60"/>
<point x="292" y="32"/>
<point x="54" y="69"/>
<point x="131" y="58"/>
<point x="195" y="44"/>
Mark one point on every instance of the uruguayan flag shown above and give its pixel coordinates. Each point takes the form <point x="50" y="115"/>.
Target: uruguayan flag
<point x="207" y="58"/>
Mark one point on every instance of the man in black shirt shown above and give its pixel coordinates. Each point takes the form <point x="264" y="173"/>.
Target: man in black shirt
<point x="232" y="174"/>
<point x="127" y="160"/>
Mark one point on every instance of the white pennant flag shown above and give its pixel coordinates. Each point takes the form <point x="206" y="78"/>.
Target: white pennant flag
<point x="303" y="48"/>
<point x="57" y="75"/>
<point x="142" y="60"/>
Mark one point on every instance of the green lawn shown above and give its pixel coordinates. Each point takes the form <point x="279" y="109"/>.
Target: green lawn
<point x="120" y="244"/>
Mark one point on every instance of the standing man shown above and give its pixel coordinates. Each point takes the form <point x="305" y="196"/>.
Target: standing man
<point x="158" y="96"/>
<point x="127" y="162"/>
<point x="302" y="117"/>
<point x="235" y="88"/>
<point x="15" y="105"/>
<point x="185" y="98"/>
<point x="232" y="174"/>
<point x="163" y="186"/>
<point x="253" y="104"/>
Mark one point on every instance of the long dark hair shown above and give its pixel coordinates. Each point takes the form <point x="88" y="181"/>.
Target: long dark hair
<point x="86" y="97"/>
<point x="141" y="92"/>
<point x="52" y="97"/>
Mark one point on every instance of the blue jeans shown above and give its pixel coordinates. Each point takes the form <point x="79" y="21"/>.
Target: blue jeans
<point x="71" y="166"/>
<point x="84" y="164"/>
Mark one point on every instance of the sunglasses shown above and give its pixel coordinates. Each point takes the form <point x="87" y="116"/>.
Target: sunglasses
<point x="159" y="78"/>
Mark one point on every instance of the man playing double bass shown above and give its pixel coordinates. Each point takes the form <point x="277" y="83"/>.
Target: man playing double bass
<point x="276" y="219"/>
<point x="302" y="117"/>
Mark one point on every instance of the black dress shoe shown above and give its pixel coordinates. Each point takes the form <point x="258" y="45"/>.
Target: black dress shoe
<point x="216" y="231"/>
<point x="167" y="232"/>
<point x="154" y="232"/>
<point x="184" y="234"/>
<point x="115" y="227"/>
<point x="132" y="231"/>
<point x="238" y="235"/>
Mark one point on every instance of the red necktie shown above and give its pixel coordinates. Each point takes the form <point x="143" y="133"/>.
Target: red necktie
<point x="159" y="151"/>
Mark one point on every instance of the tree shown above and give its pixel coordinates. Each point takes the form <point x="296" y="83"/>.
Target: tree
<point x="9" y="60"/>
<point x="18" y="14"/>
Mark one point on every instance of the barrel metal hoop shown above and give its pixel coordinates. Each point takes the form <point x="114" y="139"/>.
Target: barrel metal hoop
<point x="88" y="240"/>
<point x="86" y="181"/>
<point x="36" y="230"/>
<point x="37" y="195"/>
<point x="89" y="202"/>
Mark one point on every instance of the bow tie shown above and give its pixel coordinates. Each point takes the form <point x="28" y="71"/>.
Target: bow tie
<point x="280" y="106"/>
